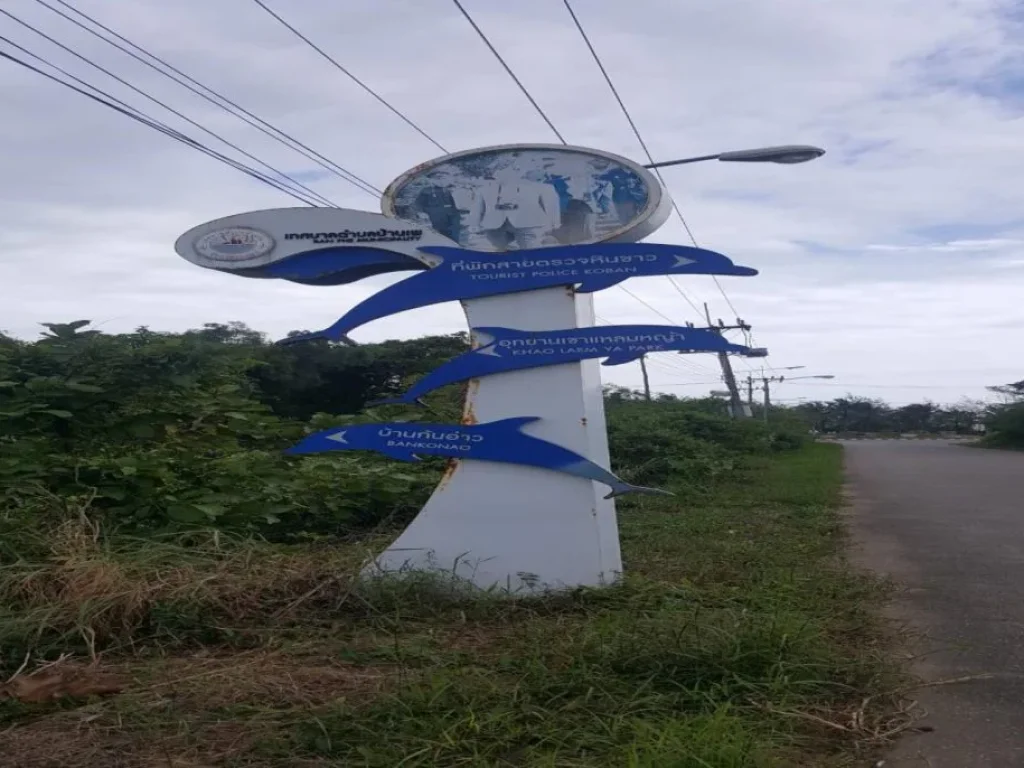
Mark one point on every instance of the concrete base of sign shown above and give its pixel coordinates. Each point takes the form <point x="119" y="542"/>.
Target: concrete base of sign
<point x="512" y="527"/>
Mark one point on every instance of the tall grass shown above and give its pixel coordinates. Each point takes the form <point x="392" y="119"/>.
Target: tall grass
<point x="737" y="633"/>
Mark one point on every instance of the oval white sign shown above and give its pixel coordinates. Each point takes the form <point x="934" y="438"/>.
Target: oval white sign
<point x="530" y="196"/>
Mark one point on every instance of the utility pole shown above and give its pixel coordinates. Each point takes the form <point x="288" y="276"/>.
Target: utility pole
<point x="765" y="387"/>
<point x="750" y="393"/>
<point x="766" y="382"/>
<point x="647" y="382"/>
<point x="735" y="400"/>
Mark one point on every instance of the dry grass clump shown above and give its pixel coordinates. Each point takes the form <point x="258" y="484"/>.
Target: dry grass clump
<point x="100" y="592"/>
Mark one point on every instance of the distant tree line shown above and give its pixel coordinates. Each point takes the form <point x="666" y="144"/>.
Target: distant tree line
<point x="1002" y="422"/>
<point x="862" y="414"/>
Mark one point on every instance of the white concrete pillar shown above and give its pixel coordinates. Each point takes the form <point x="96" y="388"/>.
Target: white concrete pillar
<point x="515" y="527"/>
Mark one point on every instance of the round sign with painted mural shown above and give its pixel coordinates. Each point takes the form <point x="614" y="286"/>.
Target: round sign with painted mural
<point x="530" y="196"/>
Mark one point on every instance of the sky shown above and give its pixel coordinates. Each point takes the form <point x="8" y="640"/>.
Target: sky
<point x="895" y="263"/>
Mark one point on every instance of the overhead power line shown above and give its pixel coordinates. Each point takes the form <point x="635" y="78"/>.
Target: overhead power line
<point x="650" y="307"/>
<point x="352" y="77"/>
<point x="209" y="94"/>
<point x="885" y="386"/>
<point x="687" y="366"/>
<point x="653" y="309"/>
<point x="692" y="384"/>
<point x="508" y="69"/>
<point x="678" y="364"/>
<point x="674" y="364"/>
<point x="647" y="152"/>
<point x="127" y="110"/>
<point x="551" y="125"/>
<point x="295" y="183"/>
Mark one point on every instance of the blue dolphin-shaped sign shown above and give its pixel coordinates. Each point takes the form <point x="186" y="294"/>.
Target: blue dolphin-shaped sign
<point x="499" y="441"/>
<point x="339" y="265"/>
<point x="506" y="349"/>
<point x="461" y="274"/>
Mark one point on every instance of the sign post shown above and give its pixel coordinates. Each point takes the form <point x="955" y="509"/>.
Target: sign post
<point x="517" y="526"/>
<point x="522" y="235"/>
<point x="513" y="526"/>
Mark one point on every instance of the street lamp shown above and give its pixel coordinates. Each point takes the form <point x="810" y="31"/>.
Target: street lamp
<point x="786" y="155"/>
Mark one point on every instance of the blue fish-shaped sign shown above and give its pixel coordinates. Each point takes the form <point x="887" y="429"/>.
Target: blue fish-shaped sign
<point x="499" y="441"/>
<point x="506" y="349"/>
<point x="461" y="274"/>
<point x="339" y="265"/>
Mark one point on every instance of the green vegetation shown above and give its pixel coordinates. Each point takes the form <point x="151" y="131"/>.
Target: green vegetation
<point x="1001" y="423"/>
<point x="174" y="592"/>
<point x="861" y="415"/>
<point x="1006" y="427"/>
<point x="163" y="432"/>
<point x="1005" y="422"/>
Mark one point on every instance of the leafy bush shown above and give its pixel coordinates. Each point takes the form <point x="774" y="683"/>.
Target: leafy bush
<point x="1006" y="427"/>
<point x="154" y="433"/>
<point x="149" y="433"/>
<point x="652" y="442"/>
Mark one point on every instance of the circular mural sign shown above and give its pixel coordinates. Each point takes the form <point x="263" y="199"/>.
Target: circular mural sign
<point x="530" y="196"/>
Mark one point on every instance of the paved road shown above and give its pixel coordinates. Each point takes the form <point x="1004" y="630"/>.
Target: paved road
<point x="947" y="522"/>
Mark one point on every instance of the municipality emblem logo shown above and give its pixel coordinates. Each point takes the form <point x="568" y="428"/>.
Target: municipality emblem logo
<point x="234" y="244"/>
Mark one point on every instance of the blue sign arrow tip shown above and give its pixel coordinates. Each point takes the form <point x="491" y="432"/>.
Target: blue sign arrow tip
<point x="623" y="488"/>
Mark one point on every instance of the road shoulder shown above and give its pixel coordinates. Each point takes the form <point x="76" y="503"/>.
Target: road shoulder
<point x="965" y="709"/>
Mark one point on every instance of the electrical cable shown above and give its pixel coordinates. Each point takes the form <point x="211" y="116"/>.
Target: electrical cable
<point x="748" y="340"/>
<point x="692" y="384"/>
<point x="508" y="69"/>
<point x="125" y="109"/>
<point x="688" y="366"/>
<point x="878" y="386"/>
<point x="193" y="85"/>
<point x="649" y="306"/>
<point x="297" y="184"/>
<point x="550" y="124"/>
<point x="212" y="96"/>
<point x="683" y="364"/>
<point x="650" y="157"/>
<point x="749" y="334"/>
<point x="675" y="364"/>
<point x="667" y="360"/>
<point x="678" y="365"/>
<point x="352" y="77"/>
<point x="129" y="111"/>
<point x="643" y="144"/>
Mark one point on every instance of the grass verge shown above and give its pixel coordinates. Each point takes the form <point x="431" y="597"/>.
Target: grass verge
<point x="739" y="638"/>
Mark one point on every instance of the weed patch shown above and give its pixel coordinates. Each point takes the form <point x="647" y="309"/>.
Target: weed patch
<point x="738" y="638"/>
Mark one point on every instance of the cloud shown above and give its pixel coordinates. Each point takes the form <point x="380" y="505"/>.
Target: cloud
<point x="953" y="246"/>
<point x="891" y="261"/>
